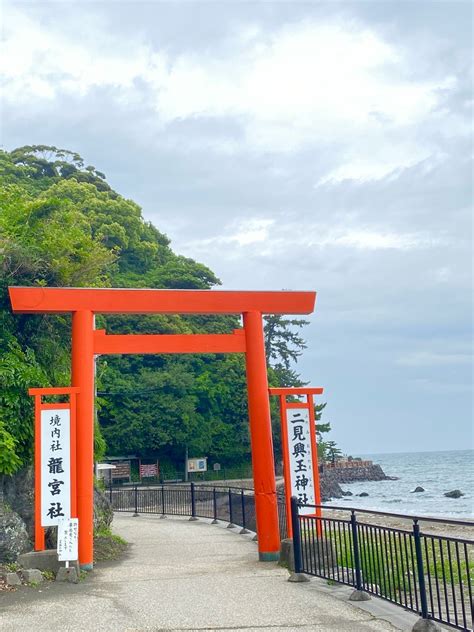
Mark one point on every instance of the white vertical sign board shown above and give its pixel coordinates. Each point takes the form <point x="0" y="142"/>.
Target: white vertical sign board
<point x="55" y="466"/>
<point x="300" y="457"/>
<point x="68" y="532"/>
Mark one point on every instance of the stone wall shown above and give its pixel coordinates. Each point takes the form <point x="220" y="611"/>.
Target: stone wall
<point x="355" y="474"/>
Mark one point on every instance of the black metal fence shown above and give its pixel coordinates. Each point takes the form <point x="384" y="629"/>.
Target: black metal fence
<point x="425" y="573"/>
<point x="228" y="504"/>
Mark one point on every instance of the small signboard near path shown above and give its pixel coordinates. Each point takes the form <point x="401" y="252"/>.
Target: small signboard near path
<point x="68" y="538"/>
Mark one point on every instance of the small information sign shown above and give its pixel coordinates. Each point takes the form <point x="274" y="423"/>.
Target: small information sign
<point x="197" y="465"/>
<point x="68" y="532"/>
<point x="148" y="470"/>
<point x="55" y="466"/>
<point x="122" y="470"/>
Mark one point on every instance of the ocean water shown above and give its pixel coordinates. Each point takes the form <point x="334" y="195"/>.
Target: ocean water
<point x="436" y="472"/>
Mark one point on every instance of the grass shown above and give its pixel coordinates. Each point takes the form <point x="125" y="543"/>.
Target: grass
<point x="108" y="546"/>
<point x="82" y="575"/>
<point x="388" y="559"/>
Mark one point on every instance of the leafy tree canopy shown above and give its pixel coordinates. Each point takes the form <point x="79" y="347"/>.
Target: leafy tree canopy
<point x="62" y="225"/>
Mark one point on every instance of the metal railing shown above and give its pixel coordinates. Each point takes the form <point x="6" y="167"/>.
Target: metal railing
<point x="425" y="573"/>
<point x="228" y="504"/>
<point x="429" y="574"/>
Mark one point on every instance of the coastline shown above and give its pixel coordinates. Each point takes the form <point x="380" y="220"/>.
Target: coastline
<point x="428" y="524"/>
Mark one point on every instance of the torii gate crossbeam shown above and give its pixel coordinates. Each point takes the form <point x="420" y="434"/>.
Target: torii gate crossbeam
<point x="87" y="342"/>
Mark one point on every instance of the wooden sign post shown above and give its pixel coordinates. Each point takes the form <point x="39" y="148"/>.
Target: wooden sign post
<point x="55" y="460"/>
<point x="300" y="451"/>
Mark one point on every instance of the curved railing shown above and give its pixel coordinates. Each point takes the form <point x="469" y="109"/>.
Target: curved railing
<point x="430" y="574"/>
<point x="228" y="504"/>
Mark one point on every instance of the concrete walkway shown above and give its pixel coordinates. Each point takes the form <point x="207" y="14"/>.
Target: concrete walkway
<point x="182" y="575"/>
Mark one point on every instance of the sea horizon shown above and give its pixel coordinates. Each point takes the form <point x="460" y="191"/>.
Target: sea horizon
<point x="436" y="471"/>
<point x="415" y="452"/>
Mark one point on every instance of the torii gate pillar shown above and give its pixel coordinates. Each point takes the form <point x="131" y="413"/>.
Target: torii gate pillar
<point x="83" y="374"/>
<point x="261" y="439"/>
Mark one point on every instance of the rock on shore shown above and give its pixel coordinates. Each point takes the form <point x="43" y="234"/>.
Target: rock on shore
<point x="455" y="493"/>
<point x="331" y="478"/>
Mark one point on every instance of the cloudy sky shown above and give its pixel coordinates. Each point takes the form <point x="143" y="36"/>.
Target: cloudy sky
<point x="289" y="145"/>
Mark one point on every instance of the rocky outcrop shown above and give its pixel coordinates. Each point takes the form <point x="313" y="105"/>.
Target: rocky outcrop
<point x="13" y="534"/>
<point x="17" y="515"/>
<point x="18" y="494"/>
<point x="330" y="488"/>
<point x="103" y="512"/>
<point x="355" y="474"/>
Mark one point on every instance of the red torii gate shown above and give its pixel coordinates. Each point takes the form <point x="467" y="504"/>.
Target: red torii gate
<point x="87" y="342"/>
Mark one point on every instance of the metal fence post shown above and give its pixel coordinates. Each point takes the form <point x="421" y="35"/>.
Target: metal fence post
<point x="297" y="575"/>
<point x="421" y="574"/>
<point x="244" y="525"/>
<point x="214" y="506"/>
<point x="163" y="515"/>
<point x="135" y="515"/>
<point x="231" y="524"/>
<point x="358" y="594"/>
<point x="355" y="550"/>
<point x="110" y="492"/>
<point x="193" y="503"/>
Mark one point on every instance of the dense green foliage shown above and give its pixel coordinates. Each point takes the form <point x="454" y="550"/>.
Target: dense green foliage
<point x="62" y="225"/>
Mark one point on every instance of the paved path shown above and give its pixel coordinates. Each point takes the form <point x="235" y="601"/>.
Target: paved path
<point x="182" y="575"/>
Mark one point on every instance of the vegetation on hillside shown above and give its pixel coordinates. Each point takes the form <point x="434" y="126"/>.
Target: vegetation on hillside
<point x="61" y="224"/>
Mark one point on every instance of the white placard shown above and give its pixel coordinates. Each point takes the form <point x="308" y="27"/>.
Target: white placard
<point x="300" y="457"/>
<point x="68" y="532"/>
<point x="55" y="466"/>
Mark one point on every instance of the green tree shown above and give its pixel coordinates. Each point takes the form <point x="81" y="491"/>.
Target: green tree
<point x="331" y="452"/>
<point x="62" y="225"/>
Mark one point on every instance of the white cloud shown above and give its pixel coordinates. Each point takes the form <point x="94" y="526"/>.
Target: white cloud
<point x="374" y="240"/>
<point x="305" y="83"/>
<point x="266" y="236"/>
<point x="366" y="165"/>
<point x="253" y="231"/>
